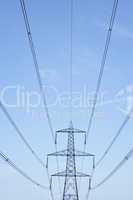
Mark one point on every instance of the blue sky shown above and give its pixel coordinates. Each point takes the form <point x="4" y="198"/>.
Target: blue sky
<point x="50" y="22"/>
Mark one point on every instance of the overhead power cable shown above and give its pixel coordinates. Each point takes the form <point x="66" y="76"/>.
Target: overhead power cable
<point x="102" y="66"/>
<point x="35" y="60"/>
<point x="13" y="123"/>
<point x="103" y="62"/>
<point x="110" y="146"/>
<point x="24" y="140"/>
<point x="115" y="138"/>
<point x="22" y="173"/>
<point x="71" y="58"/>
<point x="125" y="159"/>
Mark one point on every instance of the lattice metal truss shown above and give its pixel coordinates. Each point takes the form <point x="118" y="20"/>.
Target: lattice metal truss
<point x="70" y="174"/>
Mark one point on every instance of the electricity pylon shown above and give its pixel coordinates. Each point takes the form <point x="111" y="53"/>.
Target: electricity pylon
<point x="70" y="186"/>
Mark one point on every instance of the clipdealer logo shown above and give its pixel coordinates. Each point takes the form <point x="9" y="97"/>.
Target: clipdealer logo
<point x="16" y="96"/>
<point x="19" y="97"/>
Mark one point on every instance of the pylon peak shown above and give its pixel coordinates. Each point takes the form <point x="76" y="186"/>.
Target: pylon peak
<point x="71" y="125"/>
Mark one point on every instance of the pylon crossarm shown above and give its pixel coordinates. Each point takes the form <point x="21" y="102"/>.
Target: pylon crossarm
<point x="64" y="174"/>
<point x="68" y="130"/>
<point x="65" y="153"/>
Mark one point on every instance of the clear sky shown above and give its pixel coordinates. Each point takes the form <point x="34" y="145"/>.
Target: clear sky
<point x="50" y="23"/>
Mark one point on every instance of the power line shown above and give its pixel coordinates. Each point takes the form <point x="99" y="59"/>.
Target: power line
<point x="35" y="60"/>
<point x="103" y="62"/>
<point x="23" y="139"/>
<point x="13" y="123"/>
<point x="125" y="159"/>
<point x="110" y="146"/>
<point x="115" y="138"/>
<point x="71" y="57"/>
<point x="22" y="173"/>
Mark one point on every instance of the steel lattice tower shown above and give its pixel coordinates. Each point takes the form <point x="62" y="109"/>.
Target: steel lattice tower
<point x="70" y="186"/>
<point x="70" y="191"/>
